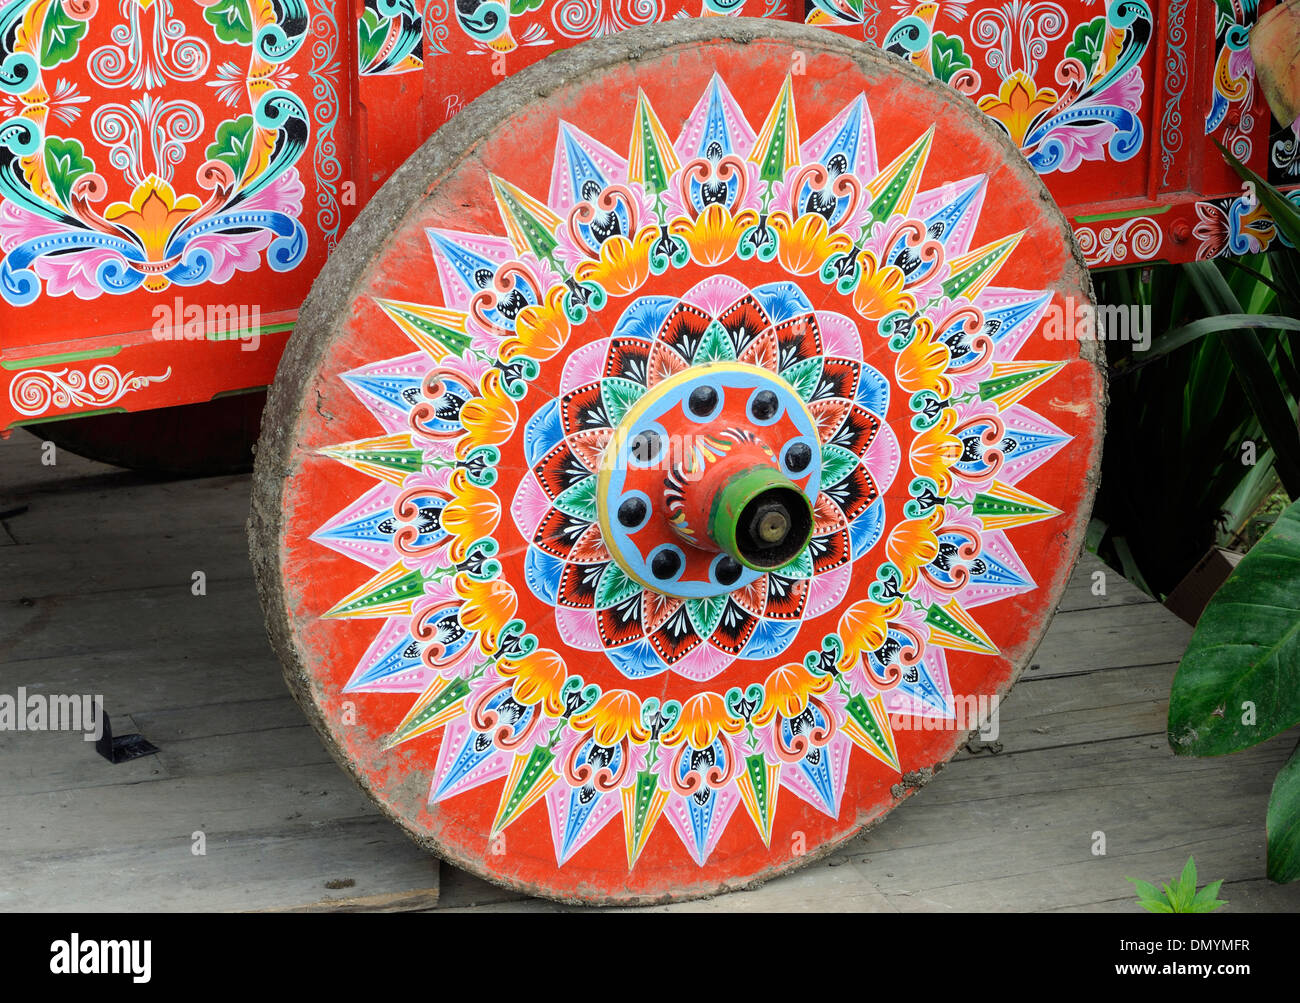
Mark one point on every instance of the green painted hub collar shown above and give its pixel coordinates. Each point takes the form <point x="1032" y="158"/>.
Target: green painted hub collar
<point x="760" y="518"/>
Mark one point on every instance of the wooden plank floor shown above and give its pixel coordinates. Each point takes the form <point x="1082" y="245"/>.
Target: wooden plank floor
<point x="95" y="575"/>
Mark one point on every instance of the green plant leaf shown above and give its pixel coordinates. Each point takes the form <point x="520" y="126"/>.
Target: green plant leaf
<point x="1155" y="905"/>
<point x="1245" y="653"/>
<point x="1283" y="823"/>
<point x="1255" y="372"/>
<point x="1147" y="891"/>
<point x="1207" y="899"/>
<point x="1180" y="336"/>
<point x="1284" y="212"/>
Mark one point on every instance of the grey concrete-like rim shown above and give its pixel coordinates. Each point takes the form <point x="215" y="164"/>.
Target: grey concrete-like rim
<point x="326" y="311"/>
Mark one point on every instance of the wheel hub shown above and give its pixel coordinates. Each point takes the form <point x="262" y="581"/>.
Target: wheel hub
<point x="709" y="481"/>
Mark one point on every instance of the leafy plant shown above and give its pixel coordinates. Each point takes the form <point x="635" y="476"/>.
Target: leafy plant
<point x="1238" y="683"/>
<point x="1181" y="894"/>
<point x="1222" y="371"/>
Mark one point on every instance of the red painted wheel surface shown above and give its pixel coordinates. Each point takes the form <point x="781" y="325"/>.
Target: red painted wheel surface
<point x="672" y="461"/>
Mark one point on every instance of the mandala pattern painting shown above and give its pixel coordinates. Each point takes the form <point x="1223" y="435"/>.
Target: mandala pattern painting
<point x="570" y="661"/>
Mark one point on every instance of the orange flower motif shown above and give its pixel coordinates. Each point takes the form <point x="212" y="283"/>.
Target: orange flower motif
<point x="490" y="418"/>
<point x="541" y="329"/>
<point x="807" y="242"/>
<point x="880" y="290"/>
<point x="614" y="717"/>
<point x="921" y="365"/>
<point x="153" y="215"/>
<point x="1018" y="103"/>
<point x="713" y="235"/>
<point x="472" y="514"/>
<point x="487" y="608"/>
<point x="863" y="628"/>
<point x="913" y="544"/>
<point x="787" y="692"/>
<point x="703" y="717"/>
<point x="539" y="679"/>
<point x="624" y="264"/>
<point x="935" y="451"/>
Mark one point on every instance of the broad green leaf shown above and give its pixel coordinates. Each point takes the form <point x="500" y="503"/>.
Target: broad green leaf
<point x="1155" y="905"/>
<point x="1283" y="823"/>
<point x="231" y="21"/>
<point x="65" y="161"/>
<point x="1239" y="681"/>
<point x="233" y="144"/>
<point x="1086" y="43"/>
<point x="947" y="56"/>
<point x="60" y="36"/>
<point x="371" y="32"/>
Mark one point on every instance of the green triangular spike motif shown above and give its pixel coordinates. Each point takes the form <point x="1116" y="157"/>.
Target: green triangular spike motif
<point x="861" y="713"/>
<point x="999" y="385"/>
<point x="614" y="587"/>
<point x="455" y="342"/>
<point x="619" y="395"/>
<point x="990" y="507"/>
<point x="406" y="461"/>
<point x="705" y="613"/>
<point x="524" y="225"/>
<point x="536" y="769"/>
<point x="715" y="346"/>
<point x="780" y="131"/>
<point x="904" y="180"/>
<point x="941" y="619"/>
<point x="408" y="587"/>
<point x="972" y="271"/>
<point x="457" y="689"/>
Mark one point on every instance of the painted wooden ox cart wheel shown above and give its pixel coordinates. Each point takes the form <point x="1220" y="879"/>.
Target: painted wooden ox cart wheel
<point x="672" y="458"/>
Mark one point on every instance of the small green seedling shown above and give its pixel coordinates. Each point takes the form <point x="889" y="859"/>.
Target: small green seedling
<point x="1181" y="896"/>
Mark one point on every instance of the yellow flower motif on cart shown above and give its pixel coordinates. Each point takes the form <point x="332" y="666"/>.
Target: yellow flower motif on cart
<point x="704" y="716"/>
<point x="472" y="514"/>
<point x="541" y="329"/>
<point x="539" y="679"/>
<point x="921" y="365"/>
<point x="807" y="242"/>
<point x="490" y="418"/>
<point x="614" y="717"/>
<point x="624" y="264"/>
<point x="863" y="628"/>
<point x="787" y="690"/>
<point x="153" y="215"/>
<point x="1018" y="103"/>
<point x="713" y="235"/>
<point x="913" y="544"/>
<point x="936" y="450"/>
<point x="486" y="609"/>
<point x="880" y="290"/>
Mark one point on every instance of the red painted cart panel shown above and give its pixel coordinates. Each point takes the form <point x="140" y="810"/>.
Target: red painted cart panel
<point x="173" y="173"/>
